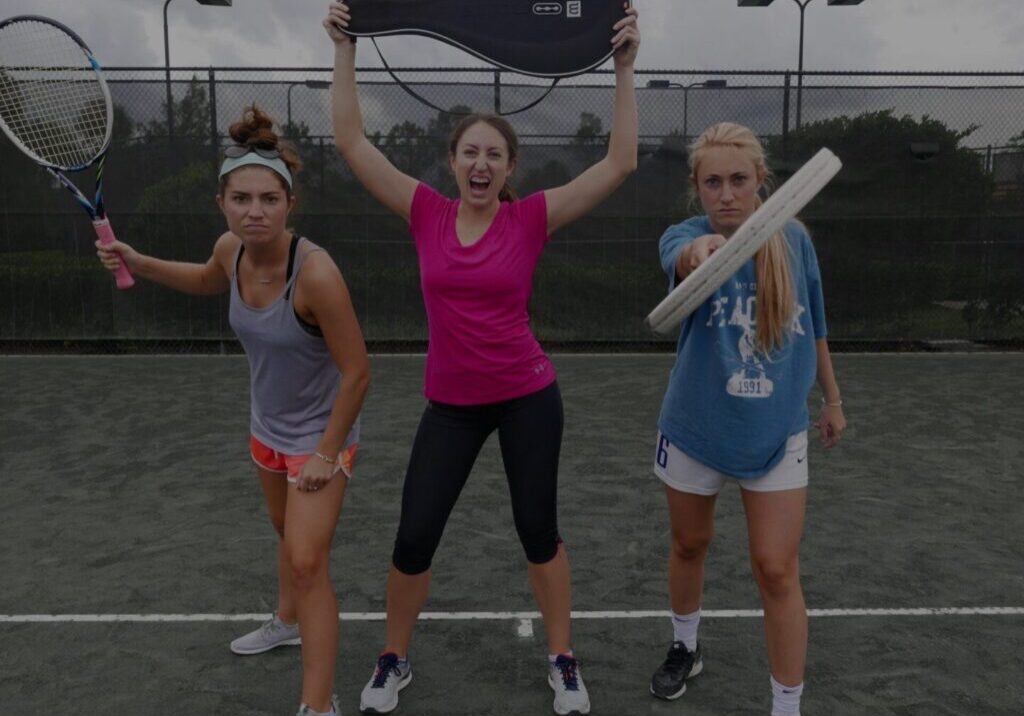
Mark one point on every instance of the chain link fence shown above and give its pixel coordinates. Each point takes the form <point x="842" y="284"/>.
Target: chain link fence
<point x="920" y="238"/>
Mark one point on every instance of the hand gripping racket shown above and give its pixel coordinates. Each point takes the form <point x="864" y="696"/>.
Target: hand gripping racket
<point x="764" y="223"/>
<point x="56" y="108"/>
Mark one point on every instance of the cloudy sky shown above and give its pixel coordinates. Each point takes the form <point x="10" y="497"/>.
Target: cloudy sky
<point x="678" y="34"/>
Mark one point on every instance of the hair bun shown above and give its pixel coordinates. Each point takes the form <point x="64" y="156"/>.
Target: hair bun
<point x="256" y="128"/>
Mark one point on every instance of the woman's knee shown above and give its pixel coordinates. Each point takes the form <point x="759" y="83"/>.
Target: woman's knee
<point x="540" y="546"/>
<point x="307" y="566"/>
<point x="778" y="577"/>
<point x="412" y="555"/>
<point x="690" y="546"/>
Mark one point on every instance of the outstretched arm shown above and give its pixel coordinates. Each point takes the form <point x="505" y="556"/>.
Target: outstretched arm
<point x="571" y="201"/>
<point x="199" y="279"/>
<point x="381" y="178"/>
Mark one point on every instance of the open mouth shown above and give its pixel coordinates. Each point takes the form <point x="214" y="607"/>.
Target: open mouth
<point x="478" y="186"/>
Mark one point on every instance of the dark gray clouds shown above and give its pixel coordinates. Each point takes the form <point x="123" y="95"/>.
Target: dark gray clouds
<point x="688" y="34"/>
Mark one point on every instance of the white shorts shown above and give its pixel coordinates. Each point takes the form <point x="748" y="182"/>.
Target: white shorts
<point x="681" y="472"/>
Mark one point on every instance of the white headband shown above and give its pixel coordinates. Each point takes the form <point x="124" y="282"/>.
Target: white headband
<point x="253" y="159"/>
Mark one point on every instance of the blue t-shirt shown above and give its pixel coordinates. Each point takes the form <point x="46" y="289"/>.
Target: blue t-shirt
<point x="729" y="405"/>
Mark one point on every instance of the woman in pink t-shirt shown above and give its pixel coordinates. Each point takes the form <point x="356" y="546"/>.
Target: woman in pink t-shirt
<point x="485" y="370"/>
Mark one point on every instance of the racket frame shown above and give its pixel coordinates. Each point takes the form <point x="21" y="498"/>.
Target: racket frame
<point x="483" y="56"/>
<point x="95" y="208"/>
<point x="781" y="207"/>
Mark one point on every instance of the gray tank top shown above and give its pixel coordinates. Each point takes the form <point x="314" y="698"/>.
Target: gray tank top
<point x="294" y="380"/>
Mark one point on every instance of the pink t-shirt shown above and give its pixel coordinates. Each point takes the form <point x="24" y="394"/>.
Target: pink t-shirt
<point x="481" y="347"/>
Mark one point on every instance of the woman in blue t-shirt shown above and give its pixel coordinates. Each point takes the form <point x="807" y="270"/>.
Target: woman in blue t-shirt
<point x="736" y="409"/>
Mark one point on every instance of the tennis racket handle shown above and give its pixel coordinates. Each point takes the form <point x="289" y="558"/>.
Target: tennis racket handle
<point x="123" y="277"/>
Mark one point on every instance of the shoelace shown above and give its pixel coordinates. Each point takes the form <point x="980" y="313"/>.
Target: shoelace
<point x="386" y="665"/>
<point x="680" y="656"/>
<point x="569" y="668"/>
<point x="269" y="628"/>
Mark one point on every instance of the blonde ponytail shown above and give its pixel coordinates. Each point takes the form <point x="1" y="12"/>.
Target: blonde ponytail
<point x="776" y="301"/>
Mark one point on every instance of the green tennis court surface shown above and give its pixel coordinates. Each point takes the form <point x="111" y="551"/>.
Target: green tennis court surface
<point x="128" y="498"/>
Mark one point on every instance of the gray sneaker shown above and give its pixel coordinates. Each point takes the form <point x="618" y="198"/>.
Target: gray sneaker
<point x="270" y="635"/>
<point x="571" y="698"/>
<point x="380" y="695"/>
<point x="304" y="710"/>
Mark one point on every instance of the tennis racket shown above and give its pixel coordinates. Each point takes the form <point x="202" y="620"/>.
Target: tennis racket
<point x="559" y="38"/>
<point x="56" y="108"/>
<point x="774" y="214"/>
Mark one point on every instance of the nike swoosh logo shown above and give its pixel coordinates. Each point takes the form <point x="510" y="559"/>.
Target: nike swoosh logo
<point x="801" y="459"/>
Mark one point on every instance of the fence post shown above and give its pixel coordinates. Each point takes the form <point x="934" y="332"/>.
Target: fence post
<point x="497" y="91"/>
<point x="785" y="113"/>
<point x="323" y="160"/>
<point x="214" y="136"/>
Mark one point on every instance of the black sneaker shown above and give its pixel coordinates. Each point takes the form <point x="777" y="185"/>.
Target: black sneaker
<point x="669" y="681"/>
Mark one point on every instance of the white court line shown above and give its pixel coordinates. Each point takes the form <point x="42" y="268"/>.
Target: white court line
<point x="501" y="616"/>
<point x="525" y="629"/>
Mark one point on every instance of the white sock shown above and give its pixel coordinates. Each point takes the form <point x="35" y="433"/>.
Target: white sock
<point x="786" y="699"/>
<point x="331" y="712"/>
<point x="552" y="658"/>
<point x="684" y="628"/>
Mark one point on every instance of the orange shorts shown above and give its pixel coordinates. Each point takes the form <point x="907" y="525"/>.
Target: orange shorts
<point x="270" y="459"/>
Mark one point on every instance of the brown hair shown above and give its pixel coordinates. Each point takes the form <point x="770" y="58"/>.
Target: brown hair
<point x="256" y="129"/>
<point x="776" y="302"/>
<point x="499" y="123"/>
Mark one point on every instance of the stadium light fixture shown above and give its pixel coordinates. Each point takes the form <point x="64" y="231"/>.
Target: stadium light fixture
<point x="309" y="84"/>
<point x="666" y="84"/>
<point x="167" y="59"/>
<point x="802" y="4"/>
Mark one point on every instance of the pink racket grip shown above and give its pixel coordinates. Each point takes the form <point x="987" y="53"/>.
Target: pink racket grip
<point x="123" y="277"/>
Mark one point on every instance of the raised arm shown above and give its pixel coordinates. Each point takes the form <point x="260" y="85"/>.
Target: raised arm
<point x="381" y="178"/>
<point x="571" y="201"/>
<point x="204" y="279"/>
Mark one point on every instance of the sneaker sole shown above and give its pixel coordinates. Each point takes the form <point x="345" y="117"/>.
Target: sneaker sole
<point x="697" y="669"/>
<point x="571" y="712"/>
<point x="249" y="652"/>
<point x="369" y="710"/>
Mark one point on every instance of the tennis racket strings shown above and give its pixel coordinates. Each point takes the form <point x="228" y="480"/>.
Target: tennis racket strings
<point x="51" y="95"/>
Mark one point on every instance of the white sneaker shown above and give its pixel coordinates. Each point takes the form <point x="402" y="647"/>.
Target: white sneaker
<point x="571" y="697"/>
<point x="304" y="710"/>
<point x="270" y="635"/>
<point x="380" y="695"/>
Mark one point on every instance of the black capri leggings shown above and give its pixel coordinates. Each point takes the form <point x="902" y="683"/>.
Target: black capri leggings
<point x="446" y="446"/>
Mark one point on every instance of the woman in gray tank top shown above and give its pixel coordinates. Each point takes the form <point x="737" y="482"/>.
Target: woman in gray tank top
<point x="293" y="314"/>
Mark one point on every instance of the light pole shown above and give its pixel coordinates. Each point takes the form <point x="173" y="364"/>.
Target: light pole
<point x="665" y="84"/>
<point x="167" y="59"/>
<point x="802" y="4"/>
<point x="311" y="84"/>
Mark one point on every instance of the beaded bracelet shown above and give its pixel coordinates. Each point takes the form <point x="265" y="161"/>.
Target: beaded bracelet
<point x="328" y="460"/>
<point x="832" y="405"/>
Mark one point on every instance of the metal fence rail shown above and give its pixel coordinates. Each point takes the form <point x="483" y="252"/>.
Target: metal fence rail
<point x="921" y="238"/>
